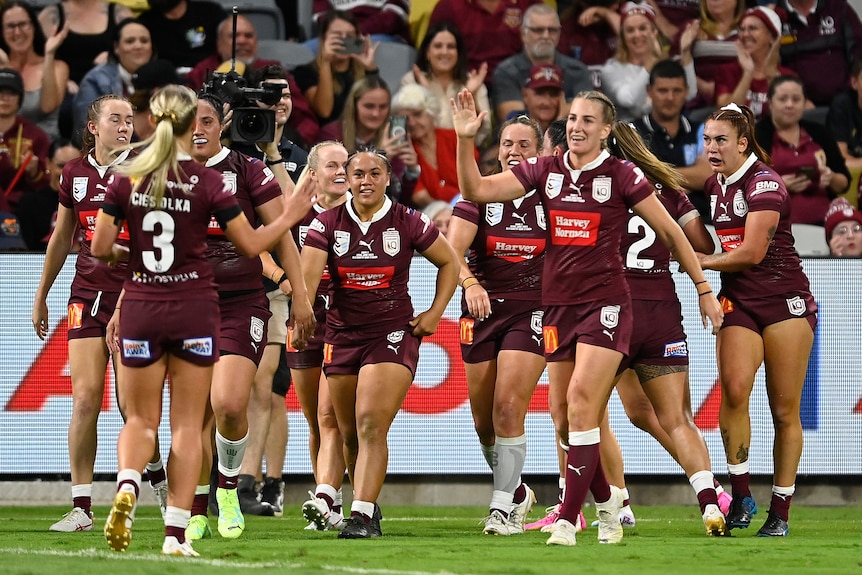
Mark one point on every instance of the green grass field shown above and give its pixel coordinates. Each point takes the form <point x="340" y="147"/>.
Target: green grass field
<point x="439" y="540"/>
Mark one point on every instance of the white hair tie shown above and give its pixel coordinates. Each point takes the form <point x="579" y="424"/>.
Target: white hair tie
<point x="732" y="108"/>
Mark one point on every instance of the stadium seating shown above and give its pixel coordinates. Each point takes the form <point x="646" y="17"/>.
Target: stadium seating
<point x="394" y="60"/>
<point x="290" y="54"/>
<point x="264" y="14"/>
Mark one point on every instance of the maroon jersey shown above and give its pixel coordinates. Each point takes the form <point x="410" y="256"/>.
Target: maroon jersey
<point x="508" y="252"/>
<point x="753" y="188"/>
<point x="299" y="231"/>
<point x="253" y="184"/>
<point x="647" y="260"/>
<point x="586" y="211"/>
<point x="168" y="241"/>
<point x="370" y="263"/>
<point x="82" y="189"/>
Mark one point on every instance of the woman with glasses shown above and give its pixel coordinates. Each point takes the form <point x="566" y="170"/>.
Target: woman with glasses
<point x="844" y="229"/>
<point x="24" y="48"/>
<point x="769" y="312"/>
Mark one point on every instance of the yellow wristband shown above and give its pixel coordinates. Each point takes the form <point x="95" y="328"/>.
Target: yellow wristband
<point x="469" y="282"/>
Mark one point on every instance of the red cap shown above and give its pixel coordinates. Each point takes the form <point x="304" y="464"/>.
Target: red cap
<point x="545" y="76"/>
<point x="839" y="211"/>
<point x="632" y="8"/>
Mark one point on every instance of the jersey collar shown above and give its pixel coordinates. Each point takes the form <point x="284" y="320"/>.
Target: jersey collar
<point x="737" y="175"/>
<point x="215" y="160"/>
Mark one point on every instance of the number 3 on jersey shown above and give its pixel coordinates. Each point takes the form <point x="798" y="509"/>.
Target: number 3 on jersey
<point x="161" y="257"/>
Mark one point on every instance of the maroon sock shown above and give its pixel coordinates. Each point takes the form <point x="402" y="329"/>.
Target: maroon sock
<point x="84" y="503"/>
<point x="200" y="504"/>
<point x="364" y="517"/>
<point x="706" y="497"/>
<point x="226" y="482"/>
<point x="715" y="482"/>
<point x="780" y="505"/>
<point x="581" y="464"/>
<point x="178" y="532"/>
<point x="739" y="485"/>
<point x="135" y="487"/>
<point x="599" y="487"/>
<point x="336" y="508"/>
<point x="627" y="502"/>
<point x="157" y="477"/>
<point x="520" y="493"/>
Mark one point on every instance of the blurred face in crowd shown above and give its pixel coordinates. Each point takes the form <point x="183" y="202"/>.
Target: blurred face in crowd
<point x="787" y="104"/>
<point x="541" y="36"/>
<point x="443" y="52"/>
<point x="638" y="33"/>
<point x="543" y="104"/>
<point x="206" y="134"/>
<point x="135" y="47"/>
<point x="668" y="98"/>
<point x="372" y="109"/>
<point x="846" y="240"/>
<point x="58" y="161"/>
<point x="17" y="29"/>
<point x="420" y="124"/>
<point x="246" y="40"/>
<point x="9" y="103"/>
<point x="341" y="29"/>
<point x="442" y="219"/>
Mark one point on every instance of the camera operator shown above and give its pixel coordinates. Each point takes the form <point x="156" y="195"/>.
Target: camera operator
<point x="244" y="308"/>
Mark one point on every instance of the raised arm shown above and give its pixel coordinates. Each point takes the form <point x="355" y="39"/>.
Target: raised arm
<point x="474" y="187"/>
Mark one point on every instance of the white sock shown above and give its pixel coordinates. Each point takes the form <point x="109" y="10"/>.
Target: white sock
<point x="737" y="468"/>
<point x="364" y="507"/>
<point x="82" y="490"/>
<point x="176" y="517"/>
<point x="230" y="454"/>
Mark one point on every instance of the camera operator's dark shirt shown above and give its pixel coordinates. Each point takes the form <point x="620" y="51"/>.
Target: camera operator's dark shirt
<point x="294" y="157"/>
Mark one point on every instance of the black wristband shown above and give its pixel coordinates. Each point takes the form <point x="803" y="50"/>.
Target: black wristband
<point x="271" y="162"/>
<point x="282" y="279"/>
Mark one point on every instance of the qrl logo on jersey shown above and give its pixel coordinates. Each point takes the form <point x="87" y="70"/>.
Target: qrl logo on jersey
<point x="740" y="206"/>
<point x="467" y="324"/>
<point x="494" y="213"/>
<point x="536" y="321"/>
<point x="553" y="185"/>
<point x="202" y="346"/>
<point x="79" y="188"/>
<point x="551" y="338"/>
<point x="602" y="189"/>
<point x="610" y="316"/>
<point x="136" y="349"/>
<point x="75" y="316"/>
<point x="391" y="242"/>
<point x="342" y="243"/>
<point x="796" y="306"/>
<point x="540" y="217"/>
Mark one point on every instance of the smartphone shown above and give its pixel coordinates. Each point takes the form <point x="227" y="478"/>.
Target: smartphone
<point x="353" y="45"/>
<point x="808" y="171"/>
<point x="398" y="127"/>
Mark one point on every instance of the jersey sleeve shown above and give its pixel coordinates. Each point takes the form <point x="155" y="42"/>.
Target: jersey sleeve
<point x="765" y="192"/>
<point x="318" y="234"/>
<point x="467" y="211"/>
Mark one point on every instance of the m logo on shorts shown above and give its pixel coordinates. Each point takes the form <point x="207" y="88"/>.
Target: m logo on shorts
<point x="551" y="337"/>
<point x="467" y="325"/>
<point x="136" y="349"/>
<point x="79" y="188"/>
<point x="256" y="329"/>
<point x="391" y="242"/>
<point x="610" y="316"/>
<point x="342" y="243"/>
<point x="602" y="189"/>
<point x="494" y="213"/>
<point x="202" y="346"/>
<point x="75" y="316"/>
<point x="796" y="306"/>
<point x="726" y="305"/>
<point x="327" y="353"/>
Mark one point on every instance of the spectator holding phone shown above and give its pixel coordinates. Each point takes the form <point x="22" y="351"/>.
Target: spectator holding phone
<point x="435" y="147"/>
<point x="343" y="58"/>
<point x="804" y="153"/>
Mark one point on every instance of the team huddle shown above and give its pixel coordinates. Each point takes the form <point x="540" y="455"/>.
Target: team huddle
<point x="563" y="259"/>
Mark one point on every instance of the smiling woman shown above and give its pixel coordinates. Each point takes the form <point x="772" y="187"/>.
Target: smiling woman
<point x="132" y="48"/>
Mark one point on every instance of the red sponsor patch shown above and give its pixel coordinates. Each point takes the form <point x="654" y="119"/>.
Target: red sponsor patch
<point x="88" y="224"/>
<point x="366" y="278"/>
<point x="327" y="353"/>
<point x="574" y="228"/>
<point x="551" y="337"/>
<point x="467" y="324"/>
<point x="213" y="229"/>
<point x="731" y="238"/>
<point x="514" y="249"/>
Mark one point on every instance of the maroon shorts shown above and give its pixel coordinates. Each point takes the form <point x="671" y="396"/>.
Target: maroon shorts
<point x="759" y="313"/>
<point x="658" y="337"/>
<point x="312" y="355"/>
<point x="601" y="323"/>
<point x="345" y="352"/>
<point x="89" y="312"/>
<point x="187" y="329"/>
<point x="243" y="325"/>
<point x="513" y="325"/>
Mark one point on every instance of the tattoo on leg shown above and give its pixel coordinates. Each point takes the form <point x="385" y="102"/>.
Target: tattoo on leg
<point x="647" y="373"/>
<point x="725" y="439"/>
<point x="742" y="453"/>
